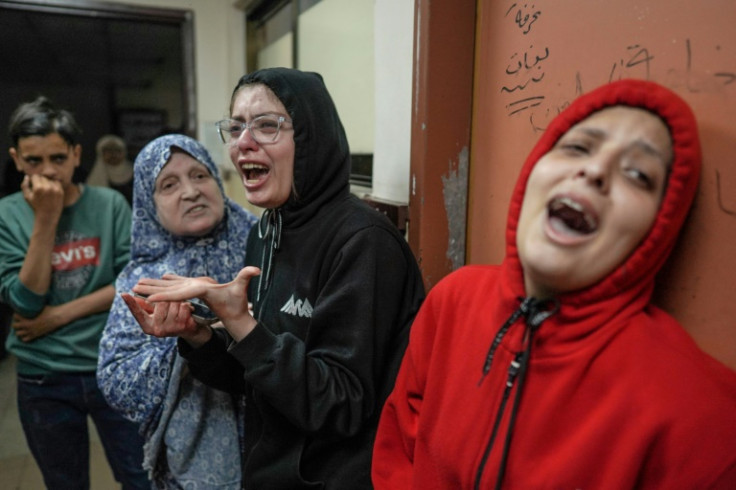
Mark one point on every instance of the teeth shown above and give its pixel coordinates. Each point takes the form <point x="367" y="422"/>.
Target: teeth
<point x="566" y="201"/>
<point x="252" y="166"/>
<point x="254" y="172"/>
<point x="561" y="203"/>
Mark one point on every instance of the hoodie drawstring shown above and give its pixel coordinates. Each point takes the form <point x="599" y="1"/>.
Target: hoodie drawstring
<point x="530" y="308"/>
<point x="535" y="316"/>
<point x="499" y="337"/>
<point x="273" y="222"/>
<point x="535" y="312"/>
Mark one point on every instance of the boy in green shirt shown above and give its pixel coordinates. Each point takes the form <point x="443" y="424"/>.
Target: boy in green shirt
<point x="61" y="248"/>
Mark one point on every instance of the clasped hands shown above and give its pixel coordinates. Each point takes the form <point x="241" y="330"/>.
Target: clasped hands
<point x="165" y="313"/>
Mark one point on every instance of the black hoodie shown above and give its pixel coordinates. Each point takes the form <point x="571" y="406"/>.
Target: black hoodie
<point x="338" y="290"/>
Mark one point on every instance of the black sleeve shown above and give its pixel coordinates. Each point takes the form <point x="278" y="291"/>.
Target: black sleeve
<point x="211" y="364"/>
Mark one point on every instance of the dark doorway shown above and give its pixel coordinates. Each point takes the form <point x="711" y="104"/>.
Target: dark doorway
<point x="120" y="69"/>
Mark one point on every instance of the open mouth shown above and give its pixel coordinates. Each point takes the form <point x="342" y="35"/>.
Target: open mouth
<point x="569" y="216"/>
<point x="254" y="173"/>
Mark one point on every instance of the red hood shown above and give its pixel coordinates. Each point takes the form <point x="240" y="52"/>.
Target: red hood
<point x="631" y="284"/>
<point x="639" y="269"/>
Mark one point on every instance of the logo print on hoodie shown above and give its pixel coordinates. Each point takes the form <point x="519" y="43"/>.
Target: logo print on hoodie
<point x="297" y="307"/>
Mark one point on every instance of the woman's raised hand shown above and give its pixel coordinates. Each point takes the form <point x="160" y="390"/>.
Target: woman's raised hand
<point x="229" y="301"/>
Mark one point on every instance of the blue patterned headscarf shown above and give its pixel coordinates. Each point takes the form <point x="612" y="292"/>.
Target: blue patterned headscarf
<point x="152" y="243"/>
<point x="142" y="376"/>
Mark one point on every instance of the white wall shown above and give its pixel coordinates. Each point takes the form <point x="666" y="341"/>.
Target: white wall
<point x="394" y="47"/>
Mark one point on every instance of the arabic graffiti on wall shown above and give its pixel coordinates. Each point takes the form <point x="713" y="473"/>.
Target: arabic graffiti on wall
<point x="524" y="73"/>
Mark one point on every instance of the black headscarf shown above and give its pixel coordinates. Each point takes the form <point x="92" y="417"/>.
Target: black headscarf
<point x="322" y="155"/>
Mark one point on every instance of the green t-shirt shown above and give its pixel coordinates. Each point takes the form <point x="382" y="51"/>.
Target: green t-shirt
<point x="92" y="246"/>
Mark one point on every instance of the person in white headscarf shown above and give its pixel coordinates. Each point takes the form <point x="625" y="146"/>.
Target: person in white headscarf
<point x="112" y="167"/>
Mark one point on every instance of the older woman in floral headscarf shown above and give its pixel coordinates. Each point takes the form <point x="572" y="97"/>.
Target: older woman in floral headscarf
<point x="184" y="224"/>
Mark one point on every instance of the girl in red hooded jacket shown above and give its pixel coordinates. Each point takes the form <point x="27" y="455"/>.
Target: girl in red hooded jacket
<point x="553" y="370"/>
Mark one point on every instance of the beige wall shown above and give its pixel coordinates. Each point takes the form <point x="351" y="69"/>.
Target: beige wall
<point x="364" y="51"/>
<point x="382" y="58"/>
<point x="336" y="40"/>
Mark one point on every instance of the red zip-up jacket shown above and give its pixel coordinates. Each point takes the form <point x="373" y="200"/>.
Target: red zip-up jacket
<point x="615" y="393"/>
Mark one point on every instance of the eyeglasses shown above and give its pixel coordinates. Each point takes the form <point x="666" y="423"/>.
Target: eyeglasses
<point x="263" y="129"/>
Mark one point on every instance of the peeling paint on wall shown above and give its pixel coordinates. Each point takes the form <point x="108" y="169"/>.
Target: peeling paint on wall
<point x="455" y="194"/>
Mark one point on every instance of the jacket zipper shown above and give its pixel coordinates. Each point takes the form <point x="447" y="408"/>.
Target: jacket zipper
<point x="510" y="380"/>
